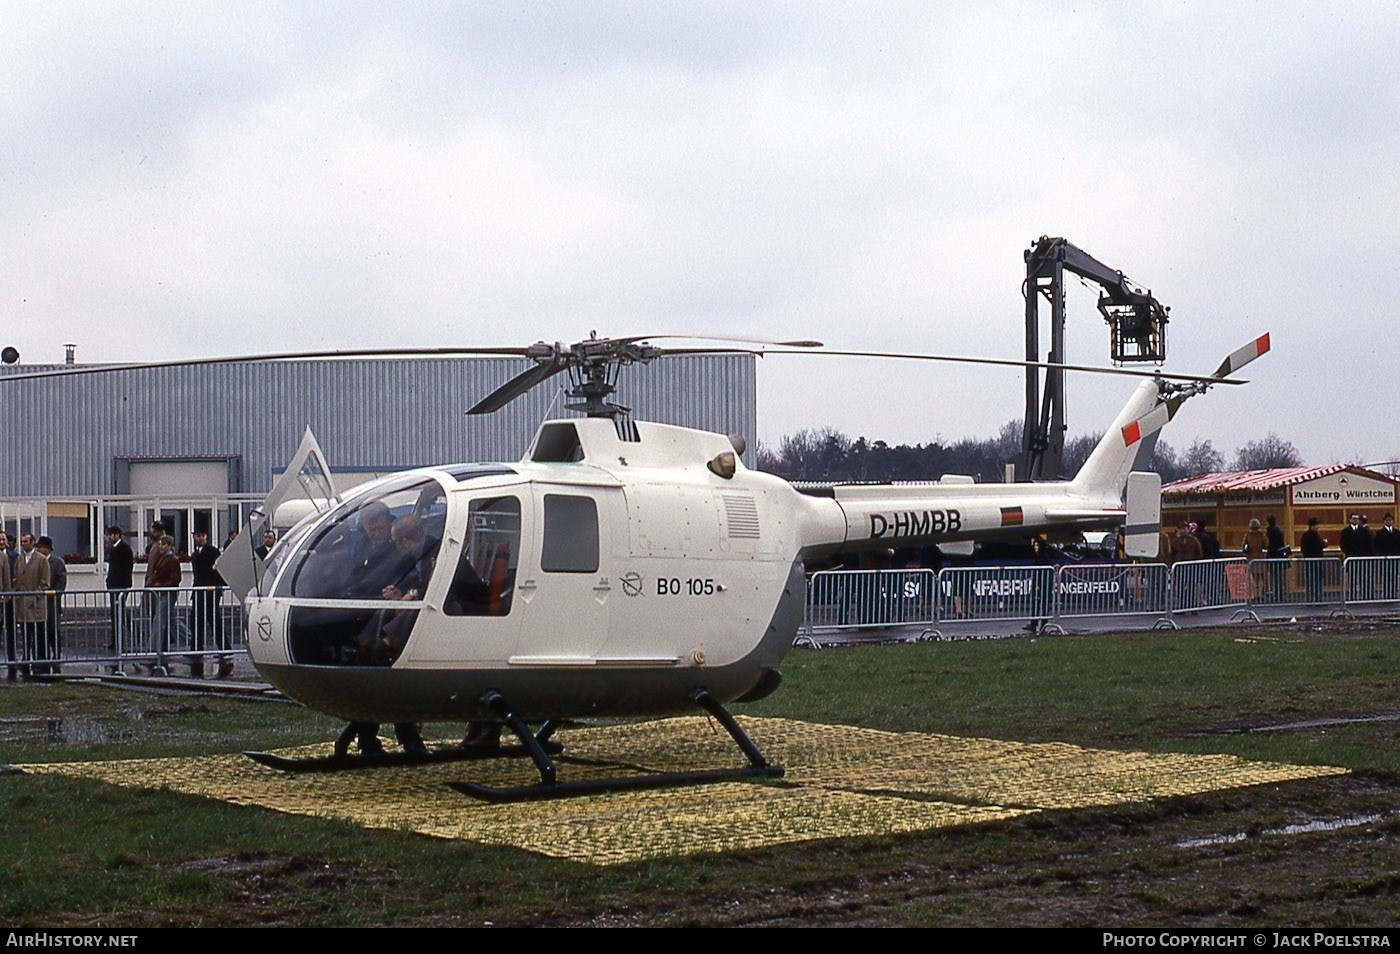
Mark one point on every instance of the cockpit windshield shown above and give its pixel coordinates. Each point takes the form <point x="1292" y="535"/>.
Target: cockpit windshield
<point x="377" y="553"/>
<point x="360" y="551"/>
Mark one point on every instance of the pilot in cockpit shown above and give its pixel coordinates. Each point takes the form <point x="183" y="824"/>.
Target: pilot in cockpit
<point x="375" y="562"/>
<point x="412" y="563"/>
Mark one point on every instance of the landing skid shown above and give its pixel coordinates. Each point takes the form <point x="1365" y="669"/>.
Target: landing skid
<point x="550" y="787"/>
<point x="352" y="761"/>
<point x="343" y="760"/>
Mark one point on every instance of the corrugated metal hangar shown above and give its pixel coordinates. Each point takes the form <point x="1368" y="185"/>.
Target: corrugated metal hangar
<point x="226" y="430"/>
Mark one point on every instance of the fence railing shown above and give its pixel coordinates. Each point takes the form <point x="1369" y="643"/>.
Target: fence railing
<point x="149" y="629"/>
<point x="196" y="627"/>
<point x="1045" y="596"/>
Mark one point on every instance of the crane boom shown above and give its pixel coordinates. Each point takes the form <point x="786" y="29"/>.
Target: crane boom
<point x="1137" y="323"/>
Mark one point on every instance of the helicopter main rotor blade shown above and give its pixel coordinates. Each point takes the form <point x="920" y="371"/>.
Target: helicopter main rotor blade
<point x="515" y="387"/>
<point x="67" y="371"/>
<point x="963" y="359"/>
<point x="738" y="338"/>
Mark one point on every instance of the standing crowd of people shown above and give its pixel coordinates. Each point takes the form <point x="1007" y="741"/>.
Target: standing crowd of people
<point x="32" y="582"/>
<point x="202" y="628"/>
<point x="34" y="578"/>
<point x="1194" y="541"/>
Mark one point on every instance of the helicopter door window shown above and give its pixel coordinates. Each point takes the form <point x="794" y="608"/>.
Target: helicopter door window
<point x="570" y="534"/>
<point x="485" y="575"/>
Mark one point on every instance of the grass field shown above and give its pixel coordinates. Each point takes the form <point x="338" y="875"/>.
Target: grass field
<point x="1316" y="853"/>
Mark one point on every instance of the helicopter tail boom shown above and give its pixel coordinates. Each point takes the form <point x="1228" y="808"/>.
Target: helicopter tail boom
<point x="849" y="518"/>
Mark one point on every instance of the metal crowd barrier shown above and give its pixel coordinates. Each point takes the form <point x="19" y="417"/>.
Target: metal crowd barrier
<point x="1044" y="596"/>
<point x="1112" y="589"/>
<point x="137" y="629"/>
<point x="1006" y="593"/>
<point x="1371" y="580"/>
<point x="1198" y="585"/>
<point x="1301" y="583"/>
<point x="846" y="599"/>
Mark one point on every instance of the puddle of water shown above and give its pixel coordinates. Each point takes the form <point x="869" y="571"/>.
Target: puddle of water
<point x="1327" y="824"/>
<point x="54" y="730"/>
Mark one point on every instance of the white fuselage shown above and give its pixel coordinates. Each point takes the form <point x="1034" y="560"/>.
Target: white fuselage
<point x="634" y="572"/>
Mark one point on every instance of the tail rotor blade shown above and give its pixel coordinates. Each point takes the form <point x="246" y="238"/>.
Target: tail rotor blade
<point x="1242" y="356"/>
<point x="1155" y="419"/>
<point x="1151" y="422"/>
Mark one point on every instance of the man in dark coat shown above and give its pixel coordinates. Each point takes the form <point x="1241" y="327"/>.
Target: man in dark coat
<point x="416" y="557"/>
<point x="1314" y="550"/>
<point x="7" y="618"/>
<point x="1356" y="540"/>
<point x="1277" y="549"/>
<point x="1213" y="577"/>
<point x="1388" y="538"/>
<point x="204" y="607"/>
<point x="120" y="561"/>
<point x="1210" y="543"/>
<point x="1387" y="541"/>
<point x="269" y="538"/>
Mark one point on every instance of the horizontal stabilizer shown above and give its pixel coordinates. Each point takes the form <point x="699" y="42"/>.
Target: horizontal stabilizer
<point x="1071" y="515"/>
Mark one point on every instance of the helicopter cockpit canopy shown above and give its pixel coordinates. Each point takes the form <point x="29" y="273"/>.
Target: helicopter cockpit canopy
<point x="358" y="578"/>
<point x="351" y="554"/>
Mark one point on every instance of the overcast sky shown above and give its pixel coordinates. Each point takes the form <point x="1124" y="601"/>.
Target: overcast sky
<point x="191" y="178"/>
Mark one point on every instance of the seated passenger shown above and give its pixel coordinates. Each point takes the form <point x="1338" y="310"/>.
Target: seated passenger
<point x="416" y="555"/>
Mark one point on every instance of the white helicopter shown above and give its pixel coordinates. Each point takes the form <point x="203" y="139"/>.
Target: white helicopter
<point x="619" y="569"/>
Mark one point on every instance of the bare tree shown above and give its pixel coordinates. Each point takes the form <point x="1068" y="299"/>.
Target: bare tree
<point x="1201" y="458"/>
<point x="1165" y="463"/>
<point x="767" y="459"/>
<point x="1267" y="453"/>
<point x="819" y="454"/>
<point x="827" y="454"/>
<point x="1077" y="451"/>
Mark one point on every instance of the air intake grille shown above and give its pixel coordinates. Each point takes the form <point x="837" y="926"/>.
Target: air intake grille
<point x="741" y="516"/>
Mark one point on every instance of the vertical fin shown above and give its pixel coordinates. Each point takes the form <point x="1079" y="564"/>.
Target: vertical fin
<point x="1106" y="470"/>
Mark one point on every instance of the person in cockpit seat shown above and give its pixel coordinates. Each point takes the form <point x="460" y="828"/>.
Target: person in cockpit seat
<point x="415" y="555"/>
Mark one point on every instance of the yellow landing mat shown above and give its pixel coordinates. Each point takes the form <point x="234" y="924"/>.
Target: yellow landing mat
<point x="841" y="782"/>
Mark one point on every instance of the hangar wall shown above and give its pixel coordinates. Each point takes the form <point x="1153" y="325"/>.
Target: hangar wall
<point x="80" y="435"/>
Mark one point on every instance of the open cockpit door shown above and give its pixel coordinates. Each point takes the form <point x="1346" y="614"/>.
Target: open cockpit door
<point x="303" y="490"/>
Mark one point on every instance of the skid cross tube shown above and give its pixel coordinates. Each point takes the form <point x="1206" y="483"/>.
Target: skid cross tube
<point x="497" y="703"/>
<point x="702" y="698"/>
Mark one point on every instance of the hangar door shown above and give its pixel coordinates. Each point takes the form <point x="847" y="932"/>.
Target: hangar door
<point x="173" y="487"/>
